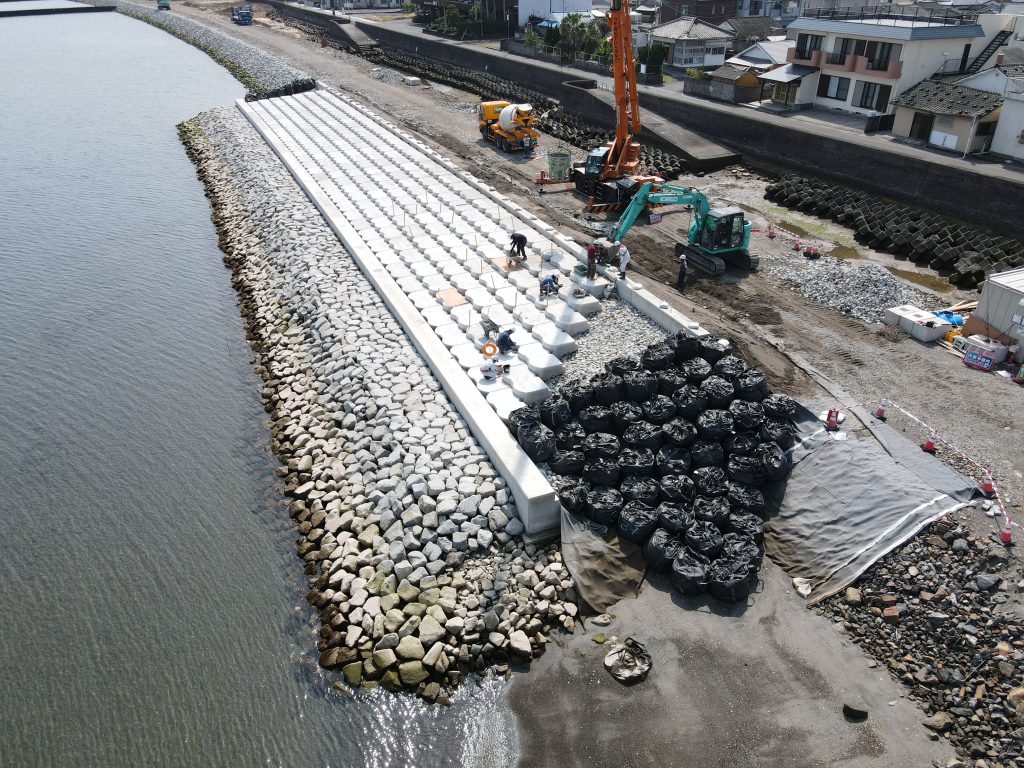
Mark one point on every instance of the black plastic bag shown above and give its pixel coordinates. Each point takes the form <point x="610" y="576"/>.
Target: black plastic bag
<point x="636" y="461"/>
<point x="714" y="511"/>
<point x="555" y="412"/>
<point x="661" y="549"/>
<point x="577" y="395"/>
<point x="624" y="414"/>
<point x="607" y="388"/>
<point x="573" y="498"/>
<point x="742" y="443"/>
<point x="746" y="416"/>
<point x="746" y="469"/>
<point x="537" y="441"/>
<point x="672" y="460"/>
<point x="643" y="435"/>
<point x="677" y="488"/>
<point x="567" y="463"/>
<point x="659" y="409"/>
<point x="570" y="437"/>
<point x="704" y="539"/>
<point x="729" y="367"/>
<point x="774" y="460"/>
<point x="679" y="432"/>
<point x="621" y="365"/>
<point x="714" y="424"/>
<point x="595" y="418"/>
<point x="639" y="385"/>
<point x="752" y="385"/>
<point x="779" y="407"/>
<point x="706" y="453"/>
<point x="717" y="391"/>
<point x="747" y="524"/>
<point x="686" y="347"/>
<point x="710" y="481"/>
<point x="746" y="498"/>
<point x="710" y="350"/>
<point x="779" y="432"/>
<point x="689" y="572"/>
<point x="602" y="471"/>
<point x="677" y="518"/>
<point x="658" y="357"/>
<point x="601" y="445"/>
<point x="529" y="414"/>
<point x="739" y="546"/>
<point x="637" y="522"/>
<point x="730" y="580"/>
<point x="639" y="488"/>
<point x="670" y="381"/>
<point x="695" y="370"/>
<point x="690" y="404"/>
<point x="603" y="505"/>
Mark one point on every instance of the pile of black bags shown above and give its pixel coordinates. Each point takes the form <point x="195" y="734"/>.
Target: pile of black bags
<point x="671" y="448"/>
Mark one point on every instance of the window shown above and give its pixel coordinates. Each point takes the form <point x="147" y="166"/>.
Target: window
<point x="806" y="44"/>
<point x="880" y="54"/>
<point x="871" y="96"/>
<point x="755" y="7"/>
<point x="831" y="87"/>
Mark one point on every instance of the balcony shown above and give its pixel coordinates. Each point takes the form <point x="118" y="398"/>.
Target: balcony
<point x="889" y="69"/>
<point x="806" y="58"/>
<point x="840" y="62"/>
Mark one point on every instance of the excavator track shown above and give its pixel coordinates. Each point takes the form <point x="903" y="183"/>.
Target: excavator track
<point x="711" y="265"/>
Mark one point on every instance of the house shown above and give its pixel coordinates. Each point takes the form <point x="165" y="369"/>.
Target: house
<point x="752" y="29"/>
<point x="862" y="60"/>
<point x="792" y="85"/>
<point x="1008" y="139"/>
<point x="727" y="83"/>
<point x="763" y="56"/>
<point x="692" y="43"/>
<point x="994" y="78"/>
<point x="542" y="9"/>
<point x="948" y="115"/>
<point x="657" y="12"/>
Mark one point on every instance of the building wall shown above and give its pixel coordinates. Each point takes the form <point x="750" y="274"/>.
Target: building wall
<point x="987" y="80"/>
<point x="693" y="53"/>
<point x="544" y="8"/>
<point x="1006" y="140"/>
<point x="960" y="127"/>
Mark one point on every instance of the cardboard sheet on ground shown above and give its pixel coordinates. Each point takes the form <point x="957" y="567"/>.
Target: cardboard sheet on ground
<point x="605" y="570"/>
<point x="848" y="502"/>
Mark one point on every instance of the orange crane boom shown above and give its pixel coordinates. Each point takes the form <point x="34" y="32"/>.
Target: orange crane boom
<point x="624" y="153"/>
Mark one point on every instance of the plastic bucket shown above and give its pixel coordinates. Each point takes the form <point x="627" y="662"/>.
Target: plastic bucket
<point x="558" y="164"/>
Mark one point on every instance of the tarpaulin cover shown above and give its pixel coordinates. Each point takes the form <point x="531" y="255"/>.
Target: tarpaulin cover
<point x="604" y="570"/>
<point x="849" y="502"/>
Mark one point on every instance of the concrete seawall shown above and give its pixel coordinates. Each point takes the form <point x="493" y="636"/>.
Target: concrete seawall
<point x="55" y="11"/>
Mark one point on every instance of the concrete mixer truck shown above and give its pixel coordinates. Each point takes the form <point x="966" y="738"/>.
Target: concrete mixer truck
<point x="508" y="125"/>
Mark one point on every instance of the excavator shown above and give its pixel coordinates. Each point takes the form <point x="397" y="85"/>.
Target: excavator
<point x="509" y="126"/>
<point x="713" y="233"/>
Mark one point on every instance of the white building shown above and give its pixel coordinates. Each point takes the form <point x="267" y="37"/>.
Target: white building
<point x="542" y="9"/>
<point x="1008" y="139"/>
<point x="692" y="42"/>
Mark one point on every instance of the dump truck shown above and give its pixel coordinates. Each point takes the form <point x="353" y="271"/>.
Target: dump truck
<point x="242" y="14"/>
<point x="508" y="125"/>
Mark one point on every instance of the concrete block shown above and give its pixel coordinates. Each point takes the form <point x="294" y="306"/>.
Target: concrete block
<point x="566" y="318"/>
<point x="503" y="402"/>
<point x="554" y="339"/>
<point x="528" y="387"/>
<point x="540" y="362"/>
<point x="586" y="305"/>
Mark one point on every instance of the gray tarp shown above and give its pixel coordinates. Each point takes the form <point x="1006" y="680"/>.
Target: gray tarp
<point x="605" y="570"/>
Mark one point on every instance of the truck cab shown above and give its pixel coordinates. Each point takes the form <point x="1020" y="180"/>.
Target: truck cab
<point x="163" y="5"/>
<point x="242" y="14"/>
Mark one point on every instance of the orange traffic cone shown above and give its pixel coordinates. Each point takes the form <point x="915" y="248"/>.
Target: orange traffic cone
<point x="797" y="246"/>
<point x="988" y="485"/>
<point x="1006" y="535"/>
<point x="832" y="419"/>
<point x="771" y="232"/>
<point x="929" y="444"/>
<point x="880" y="410"/>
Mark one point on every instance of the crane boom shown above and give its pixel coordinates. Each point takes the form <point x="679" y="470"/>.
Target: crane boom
<point x="624" y="153"/>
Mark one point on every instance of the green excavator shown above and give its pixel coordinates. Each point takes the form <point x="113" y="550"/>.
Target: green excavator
<point x="715" y="234"/>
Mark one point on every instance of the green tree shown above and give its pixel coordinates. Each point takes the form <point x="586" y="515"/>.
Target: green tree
<point x="531" y="38"/>
<point x="552" y="36"/>
<point x="592" y="38"/>
<point x="653" y="54"/>
<point x="452" y="17"/>
<point x="571" y="33"/>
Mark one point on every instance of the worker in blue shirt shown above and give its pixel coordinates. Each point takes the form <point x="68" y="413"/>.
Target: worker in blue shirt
<point x="549" y="285"/>
<point x="505" y="342"/>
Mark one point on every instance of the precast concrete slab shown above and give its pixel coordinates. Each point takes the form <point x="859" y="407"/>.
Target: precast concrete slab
<point x="450" y="334"/>
<point x="540" y="361"/>
<point x="555" y="340"/>
<point x="504" y="402"/>
<point x="586" y="305"/>
<point x="437" y="317"/>
<point x="528" y="387"/>
<point x="567" y="318"/>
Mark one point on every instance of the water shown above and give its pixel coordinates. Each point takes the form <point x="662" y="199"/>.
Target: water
<point x="151" y="598"/>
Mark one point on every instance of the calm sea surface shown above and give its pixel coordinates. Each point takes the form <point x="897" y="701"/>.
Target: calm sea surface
<point x="151" y="609"/>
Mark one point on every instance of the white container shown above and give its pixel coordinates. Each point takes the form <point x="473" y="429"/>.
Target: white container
<point x="892" y="316"/>
<point x="987" y="347"/>
<point x="922" y="332"/>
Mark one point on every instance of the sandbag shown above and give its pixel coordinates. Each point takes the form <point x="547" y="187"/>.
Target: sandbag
<point x="774" y="460"/>
<point x="658" y="357"/>
<point x="739" y="546"/>
<point x="602" y="471"/>
<point x="670" y="381"/>
<point x="741" y="443"/>
<point x="717" y="391"/>
<point x="623" y="364"/>
<point x="695" y="370"/>
<point x="573" y="498"/>
<point x="661" y="549"/>
<point x="779" y="432"/>
<point x="659" y="409"/>
<point x="752" y="385"/>
<point x="729" y="367"/>
<point x="672" y="460"/>
<point x="643" y="435"/>
<point x="570" y="437"/>
<point x="637" y="522"/>
<point x="639" y="488"/>
<point x="779" y="407"/>
<point x="677" y="488"/>
<point x="710" y="481"/>
<point x="686" y="347"/>
<point x="529" y="414"/>
<point x="747" y="524"/>
<point x="555" y="412"/>
<point x="706" y="453"/>
<point x="577" y="395"/>
<point x="746" y="469"/>
<point x="601" y="445"/>
<point x="636" y="461"/>
<point x="746" y="416"/>
<point x="689" y="572"/>
<point x="746" y="498"/>
<point x="639" y="385"/>
<point x="678" y="431"/>
<point x="607" y="388"/>
<point x="603" y="505"/>
<point x="710" y="350"/>
<point x="704" y="539"/>
<point x="567" y="463"/>
<point x="690" y="403"/>
<point x="714" y="424"/>
<point x="677" y="518"/>
<point x="714" y="511"/>
<point x="537" y="441"/>
<point x="595" y="418"/>
<point x="730" y="580"/>
<point x="624" y="414"/>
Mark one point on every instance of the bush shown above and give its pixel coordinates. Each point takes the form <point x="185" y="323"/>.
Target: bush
<point x="531" y="38"/>
<point x="653" y="54"/>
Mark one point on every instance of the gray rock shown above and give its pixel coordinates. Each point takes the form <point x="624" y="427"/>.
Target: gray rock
<point x="520" y="644"/>
<point x="410" y="648"/>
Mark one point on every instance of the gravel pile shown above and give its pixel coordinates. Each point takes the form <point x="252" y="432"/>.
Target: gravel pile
<point x="861" y="290"/>
<point x="256" y="69"/>
<point x="930" y="613"/>
<point x="410" y="538"/>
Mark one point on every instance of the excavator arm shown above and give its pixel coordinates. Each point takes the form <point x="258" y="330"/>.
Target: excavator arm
<point x="664" y="194"/>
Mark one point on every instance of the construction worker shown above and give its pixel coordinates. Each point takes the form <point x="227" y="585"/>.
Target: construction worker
<point x="518" y="248"/>
<point x="681" y="280"/>
<point x="623" y="252"/>
<point x="592" y="261"/>
<point x="505" y="342"/>
<point x="549" y="285"/>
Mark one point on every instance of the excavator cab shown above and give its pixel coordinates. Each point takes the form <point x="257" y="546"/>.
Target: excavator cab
<point x="724" y="229"/>
<point x="595" y="162"/>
